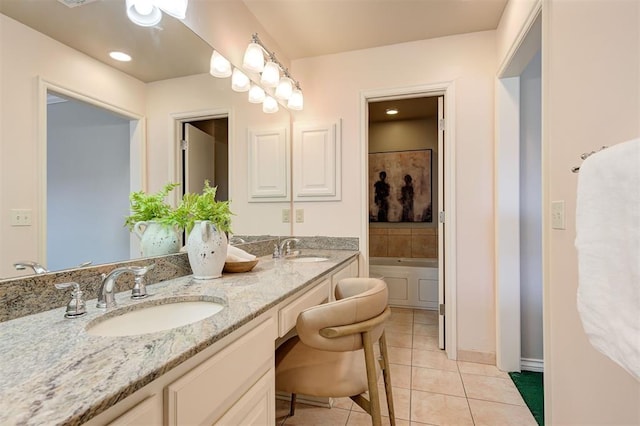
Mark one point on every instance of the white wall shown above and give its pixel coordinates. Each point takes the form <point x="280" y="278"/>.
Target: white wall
<point x="591" y="88"/>
<point x="531" y="211"/>
<point x="333" y="84"/>
<point x="26" y="55"/>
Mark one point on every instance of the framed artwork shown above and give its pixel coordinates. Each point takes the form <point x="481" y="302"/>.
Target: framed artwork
<point x="400" y="186"/>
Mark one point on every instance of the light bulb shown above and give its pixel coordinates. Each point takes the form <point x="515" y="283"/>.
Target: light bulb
<point x="296" y="101"/>
<point x="284" y="89"/>
<point x="253" y="58"/>
<point x="239" y="81"/>
<point x="143" y="7"/>
<point x="256" y="94"/>
<point x="271" y="75"/>
<point x="219" y="65"/>
<point x="143" y="12"/>
<point x="270" y="105"/>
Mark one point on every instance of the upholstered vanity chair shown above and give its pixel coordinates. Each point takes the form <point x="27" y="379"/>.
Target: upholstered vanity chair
<point x="333" y="354"/>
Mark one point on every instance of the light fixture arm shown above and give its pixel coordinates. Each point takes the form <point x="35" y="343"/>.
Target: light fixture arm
<point x="272" y="56"/>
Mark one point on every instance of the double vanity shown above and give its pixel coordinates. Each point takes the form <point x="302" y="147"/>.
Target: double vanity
<point x="134" y="364"/>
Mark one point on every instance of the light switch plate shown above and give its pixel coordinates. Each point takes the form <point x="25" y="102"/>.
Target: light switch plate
<point x="557" y="215"/>
<point x="286" y="215"/>
<point x="299" y="215"/>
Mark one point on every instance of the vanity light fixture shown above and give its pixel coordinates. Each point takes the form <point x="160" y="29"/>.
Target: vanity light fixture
<point x="239" y="81"/>
<point x="296" y="101"/>
<point x="219" y="65"/>
<point x="392" y="111"/>
<point x="148" y="13"/>
<point x="271" y="74"/>
<point x="120" y="56"/>
<point x="258" y="59"/>
<point x="270" y="105"/>
<point x="256" y="94"/>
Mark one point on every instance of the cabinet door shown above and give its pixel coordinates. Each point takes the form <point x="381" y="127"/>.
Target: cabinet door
<point x="268" y="165"/>
<point x="207" y="391"/>
<point x="256" y="407"/>
<point x="148" y="412"/>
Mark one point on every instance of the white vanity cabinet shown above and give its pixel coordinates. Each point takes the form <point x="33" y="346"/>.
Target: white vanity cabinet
<point x="221" y="382"/>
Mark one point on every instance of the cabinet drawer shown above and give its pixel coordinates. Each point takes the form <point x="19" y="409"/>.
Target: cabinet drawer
<point x="289" y="314"/>
<point x="207" y="391"/>
<point x="148" y="412"/>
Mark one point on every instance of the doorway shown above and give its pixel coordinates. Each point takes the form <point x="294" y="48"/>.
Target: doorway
<point x="90" y="160"/>
<point x="519" y="305"/>
<point x="442" y="237"/>
<point x="205" y="155"/>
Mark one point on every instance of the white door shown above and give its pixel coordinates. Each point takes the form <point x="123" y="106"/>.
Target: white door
<point x="199" y="155"/>
<point x="441" y="222"/>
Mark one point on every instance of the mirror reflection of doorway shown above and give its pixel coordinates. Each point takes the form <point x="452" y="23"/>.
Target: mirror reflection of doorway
<point x="87" y="183"/>
<point x="205" y="150"/>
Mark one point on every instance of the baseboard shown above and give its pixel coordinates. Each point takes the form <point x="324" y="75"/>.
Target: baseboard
<point x="478" y="357"/>
<point x="531" y="364"/>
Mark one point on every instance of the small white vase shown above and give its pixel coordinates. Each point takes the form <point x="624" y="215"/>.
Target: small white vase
<point x="207" y="250"/>
<point x="157" y="239"/>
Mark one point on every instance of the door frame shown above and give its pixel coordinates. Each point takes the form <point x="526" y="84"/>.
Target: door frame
<point x="137" y="153"/>
<point x="447" y="188"/>
<point x="507" y="192"/>
<point x="175" y="129"/>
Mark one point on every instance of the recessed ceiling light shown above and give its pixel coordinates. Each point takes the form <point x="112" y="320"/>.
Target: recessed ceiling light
<point x="392" y="111"/>
<point x="120" y="56"/>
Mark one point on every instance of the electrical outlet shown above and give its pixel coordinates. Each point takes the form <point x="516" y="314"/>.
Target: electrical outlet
<point x="299" y="215"/>
<point x="286" y="215"/>
<point x="20" y="217"/>
<point x="557" y="215"/>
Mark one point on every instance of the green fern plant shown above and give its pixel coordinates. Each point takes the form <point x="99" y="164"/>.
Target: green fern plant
<point x="147" y="207"/>
<point x="203" y="206"/>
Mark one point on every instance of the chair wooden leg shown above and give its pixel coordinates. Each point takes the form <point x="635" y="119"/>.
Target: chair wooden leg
<point x="292" y="408"/>
<point x="374" y="397"/>
<point x="386" y="374"/>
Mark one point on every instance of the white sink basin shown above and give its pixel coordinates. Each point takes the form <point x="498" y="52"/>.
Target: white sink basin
<point x="151" y="319"/>
<point x="307" y="259"/>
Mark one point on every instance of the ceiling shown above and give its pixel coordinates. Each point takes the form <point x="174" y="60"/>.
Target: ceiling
<point x="168" y="50"/>
<point x="305" y="28"/>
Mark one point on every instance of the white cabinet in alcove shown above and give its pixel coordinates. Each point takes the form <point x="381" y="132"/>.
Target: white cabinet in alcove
<point x="269" y="161"/>
<point x="317" y="168"/>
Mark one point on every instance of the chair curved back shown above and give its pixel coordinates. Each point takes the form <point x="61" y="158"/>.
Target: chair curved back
<point x="360" y="300"/>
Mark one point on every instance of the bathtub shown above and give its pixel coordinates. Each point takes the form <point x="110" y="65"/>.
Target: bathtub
<point x="411" y="282"/>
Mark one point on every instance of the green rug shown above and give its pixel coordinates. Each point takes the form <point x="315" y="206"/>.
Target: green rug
<point x="529" y="385"/>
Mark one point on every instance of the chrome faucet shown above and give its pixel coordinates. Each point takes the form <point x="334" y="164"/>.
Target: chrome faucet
<point x="24" y="264"/>
<point x="284" y="249"/>
<point x="106" y="293"/>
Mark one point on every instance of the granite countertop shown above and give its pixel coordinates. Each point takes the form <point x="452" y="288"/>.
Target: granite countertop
<point x="53" y="372"/>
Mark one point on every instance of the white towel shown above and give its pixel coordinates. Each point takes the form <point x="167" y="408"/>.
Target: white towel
<point x="234" y="254"/>
<point x="608" y="243"/>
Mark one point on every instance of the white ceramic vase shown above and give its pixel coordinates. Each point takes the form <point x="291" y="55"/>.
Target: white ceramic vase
<point x="207" y="250"/>
<point x="157" y="239"/>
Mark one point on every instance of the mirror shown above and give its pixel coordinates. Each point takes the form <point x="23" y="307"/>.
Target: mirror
<point x="166" y="85"/>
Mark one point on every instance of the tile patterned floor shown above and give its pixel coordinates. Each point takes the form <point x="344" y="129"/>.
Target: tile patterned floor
<point x="428" y="388"/>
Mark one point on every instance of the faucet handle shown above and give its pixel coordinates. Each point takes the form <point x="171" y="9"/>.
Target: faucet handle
<point x="139" y="290"/>
<point x="76" y="306"/>
<point x="140" y="271"/>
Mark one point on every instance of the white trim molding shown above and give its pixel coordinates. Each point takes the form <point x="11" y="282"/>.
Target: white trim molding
<point x="531" y="364"/>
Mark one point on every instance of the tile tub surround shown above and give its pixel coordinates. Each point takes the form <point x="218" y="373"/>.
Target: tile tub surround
<point x="53" y="372"/>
